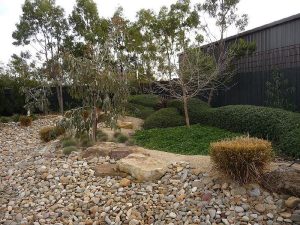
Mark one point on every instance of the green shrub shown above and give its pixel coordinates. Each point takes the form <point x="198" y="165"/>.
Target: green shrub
<point x="68" y="150"/>
<point x="59" y="130"/>
<point x="5" y="119"/>
<point x="139" y="111"/>
<point x="120" y="138"/>
<point x="262" y="122"/>
<point x="145" y="100"/>
<point x="101" y="136"/>
<point x="25" y="121"/>
<point x="48" y="133"/>
<point x="242" y="159"/>
<point x="15" y="117"/>
<point x="85" y="141"/>
<point x="168" y="117"/>
<point x="69" y="142"/>
<point x="198" y="110"/>
<point x="289" y="143"/>
<point x="34" y="116"/>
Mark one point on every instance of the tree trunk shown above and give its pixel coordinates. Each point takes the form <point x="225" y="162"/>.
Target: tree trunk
<point x="94" y="131"/>
<point x="60" y="98"/>
<point x="186" y="112"/>
<point x="210" y="97"/>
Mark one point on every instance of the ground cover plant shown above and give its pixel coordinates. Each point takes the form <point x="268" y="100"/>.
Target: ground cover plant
<point x="182" y="140"/>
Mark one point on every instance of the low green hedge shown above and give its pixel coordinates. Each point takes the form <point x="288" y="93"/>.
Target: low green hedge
<point x="139" y="111"/>
<point x="289" y="143"/>
<point x="145" y="100"/>
<point x="262" y="122"/>
<point x="198" y="110"/>
<point x="168" y="117"/>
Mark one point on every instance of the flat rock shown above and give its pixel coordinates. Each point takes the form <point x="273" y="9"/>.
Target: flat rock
<point x="142" y="168"/>
<point x="104" y="170"/>
<point x="119" y="154"/>
<point x="95" y="151"/>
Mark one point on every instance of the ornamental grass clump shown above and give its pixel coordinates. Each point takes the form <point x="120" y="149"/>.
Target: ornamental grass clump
<point x="242" y="159"/>
<point x="25" y="121"/>
<point x="68" y="150"/>
<point x="48" y="133"/>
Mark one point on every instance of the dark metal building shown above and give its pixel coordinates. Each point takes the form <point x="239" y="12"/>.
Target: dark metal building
<point x="277" y="49"/>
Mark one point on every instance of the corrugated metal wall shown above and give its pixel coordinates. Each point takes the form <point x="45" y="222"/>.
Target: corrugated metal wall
<point x="278" y="48"/>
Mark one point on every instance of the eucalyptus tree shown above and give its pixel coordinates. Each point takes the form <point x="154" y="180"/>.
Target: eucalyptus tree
<point x="174" y="32"/>
<point x="43" y="27"/>
<point x="226" y="15"/>
<point x="98" y="72"/>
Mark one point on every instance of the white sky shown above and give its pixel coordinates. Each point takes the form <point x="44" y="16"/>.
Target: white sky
<point x="260" y="12"/>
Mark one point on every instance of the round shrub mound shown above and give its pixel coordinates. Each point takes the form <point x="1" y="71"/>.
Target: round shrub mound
<point x="290" y="143"/>
<point x="168" y="117"/>
<point x="25" y="121"/>
<point x="242" y="159"/>
<point x="68" y="150"/>
<point x="139" y="111"/>
<point x="198" y="110"/>
<point x="145" y="100"/>
<point x="262" y="122"/>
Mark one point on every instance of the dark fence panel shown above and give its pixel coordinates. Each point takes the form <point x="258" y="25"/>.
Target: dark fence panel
<point x="250" y="88"/>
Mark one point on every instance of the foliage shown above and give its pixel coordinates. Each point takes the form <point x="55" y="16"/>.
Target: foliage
<point x="5" y="119"/>
<point x="12" y="99"/>
<point x="243" y="159"/>
<point x="101" y="136"/>
<point x="168" y="117"/>
<point x="120" y="138"/>
<point x="68" y="142"/>
<point x="48" y="133"/>
<point x="25" y="121"/>
<point x="262" y="122"/>
<point x="37" y="98"/>
<point x="43" y="26"/>
<point x="182" y="140"/>
<point x="289" y="143"/>
<point x="138" y="111"/>
<point x="77" y="122"/>
<point x="198" y="110"/>
<point x="68" y="150"/>
<point x="15" y="117"/>
<point x="85" y="141"/>
<point x="279" y="92"/>
<point x="147" y="100"/>
<point x="51" y="133"/>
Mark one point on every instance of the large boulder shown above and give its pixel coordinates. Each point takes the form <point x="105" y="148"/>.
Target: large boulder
<point x="284" y="180"/>
<point x="142" y="167"/>
<point x="105" y="170"/>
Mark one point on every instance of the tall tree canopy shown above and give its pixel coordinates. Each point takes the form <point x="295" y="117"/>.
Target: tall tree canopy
<point x="43" y="26"/>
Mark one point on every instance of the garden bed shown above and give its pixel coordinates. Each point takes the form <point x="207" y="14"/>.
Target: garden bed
<point x="182" y="140"/>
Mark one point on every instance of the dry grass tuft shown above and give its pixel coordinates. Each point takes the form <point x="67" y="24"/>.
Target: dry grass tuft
<point x="25" y="121"/>
<point x="242" y="159"/>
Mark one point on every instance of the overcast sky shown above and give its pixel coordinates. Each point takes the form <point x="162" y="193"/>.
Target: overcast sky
<point x="260" y="12"/>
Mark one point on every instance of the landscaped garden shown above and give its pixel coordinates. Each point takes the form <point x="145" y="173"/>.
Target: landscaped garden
<point x="112" y="121"/>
